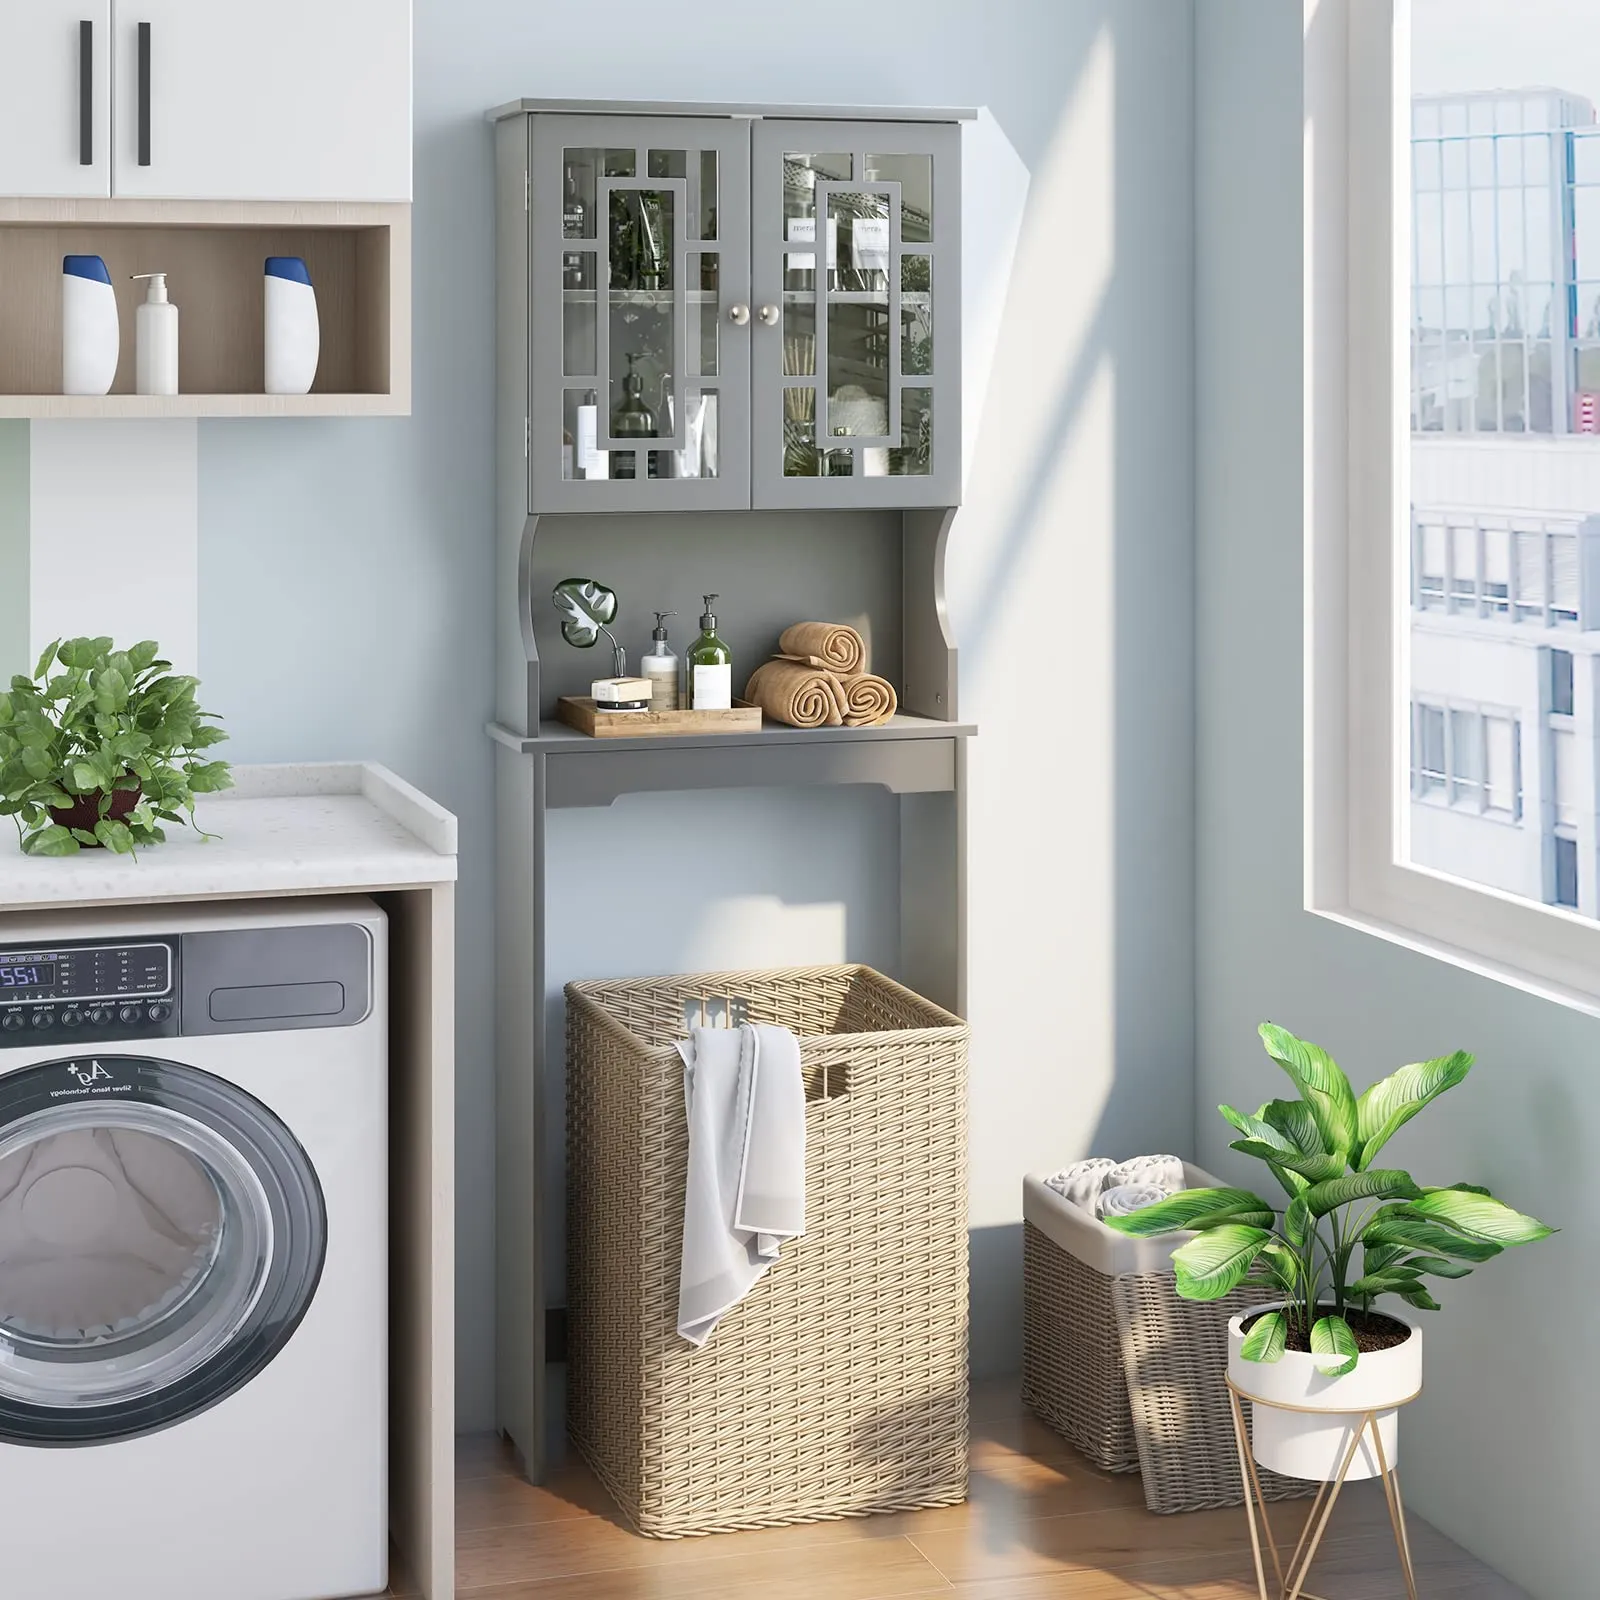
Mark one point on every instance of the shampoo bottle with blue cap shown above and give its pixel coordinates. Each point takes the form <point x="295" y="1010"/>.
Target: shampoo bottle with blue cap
<point x="294" y="340"/>
<point x="91" y="337"/>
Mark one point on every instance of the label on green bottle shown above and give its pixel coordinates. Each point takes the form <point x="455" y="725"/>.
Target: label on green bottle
<point x="712" y="688"/>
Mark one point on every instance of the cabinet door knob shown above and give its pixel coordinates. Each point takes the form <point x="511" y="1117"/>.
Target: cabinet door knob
<point x="769" y="316"/>
<point x="738" y="315"/>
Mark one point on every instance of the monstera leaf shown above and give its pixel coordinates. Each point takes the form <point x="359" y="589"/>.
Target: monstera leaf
<point x="585" y="607"/>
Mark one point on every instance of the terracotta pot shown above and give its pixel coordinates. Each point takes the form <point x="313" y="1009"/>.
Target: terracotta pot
<point x="85" y="811"/>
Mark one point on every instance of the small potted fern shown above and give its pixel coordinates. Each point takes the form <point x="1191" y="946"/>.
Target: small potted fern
<point x="98" y="754"/>
<point x="1323" y="1348"/>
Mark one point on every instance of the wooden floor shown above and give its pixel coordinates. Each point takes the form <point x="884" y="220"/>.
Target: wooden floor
<point x="1040" y="1524"/>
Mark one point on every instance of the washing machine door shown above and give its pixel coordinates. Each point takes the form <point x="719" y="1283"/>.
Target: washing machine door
<point x="162" y="1233"/>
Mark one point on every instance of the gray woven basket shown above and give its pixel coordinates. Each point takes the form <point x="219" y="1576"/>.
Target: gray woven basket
<point x="838" y="1386"/>
<point x="1130" y="1374"/>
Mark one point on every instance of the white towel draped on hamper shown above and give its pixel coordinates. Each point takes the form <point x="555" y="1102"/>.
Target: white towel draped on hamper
<point x="746" y="1108"/>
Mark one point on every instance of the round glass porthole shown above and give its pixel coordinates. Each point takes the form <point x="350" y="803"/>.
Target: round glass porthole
<point x="161" y="1236"/>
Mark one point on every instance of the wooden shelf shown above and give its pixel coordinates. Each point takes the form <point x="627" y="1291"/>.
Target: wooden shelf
<point x="906" y="755"/>
<point x="359" y="257"/>
<point x="203" y="405"/>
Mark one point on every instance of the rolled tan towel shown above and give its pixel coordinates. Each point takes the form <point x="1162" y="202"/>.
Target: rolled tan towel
<point x="868" y="700"/>
<point x="829" y="645"/>
<point x="802" y="696"/>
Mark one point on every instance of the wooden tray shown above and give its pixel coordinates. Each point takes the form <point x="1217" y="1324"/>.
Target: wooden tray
<point x="579" y="712"/>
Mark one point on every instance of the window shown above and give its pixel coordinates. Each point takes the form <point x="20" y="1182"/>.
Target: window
<point x="1561" y="682"/>
<point x="1452" y="428"/>
<point x="1468" y="759"/>
<point x="1566" y="873"/>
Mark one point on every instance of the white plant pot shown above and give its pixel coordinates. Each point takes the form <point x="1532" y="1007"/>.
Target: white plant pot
<point x="1311" y="1440"/>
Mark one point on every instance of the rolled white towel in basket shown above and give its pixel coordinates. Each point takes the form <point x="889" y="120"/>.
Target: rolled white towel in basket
<point x="1123" y="1199"/>
<point x="746" y="1189"/>
<point x="1082" y="1182"/>
<point x="1165" y="1172"/>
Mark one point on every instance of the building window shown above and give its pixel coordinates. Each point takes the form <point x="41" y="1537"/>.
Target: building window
<point x="1560" y="682"/>
<point x="1566" y="873"/>
<point x="1467" y="758"/>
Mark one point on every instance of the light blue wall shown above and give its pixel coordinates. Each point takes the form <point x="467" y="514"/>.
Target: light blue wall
<point x="1498" y="1452"/>
<point x="346" y="603"/>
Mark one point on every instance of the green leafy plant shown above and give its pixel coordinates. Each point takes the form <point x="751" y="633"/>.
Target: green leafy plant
<point x="105" y="750"/>
<point x="1321" y="1150"/>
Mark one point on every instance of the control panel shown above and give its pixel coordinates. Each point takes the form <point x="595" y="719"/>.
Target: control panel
<point x="94" y="992"/>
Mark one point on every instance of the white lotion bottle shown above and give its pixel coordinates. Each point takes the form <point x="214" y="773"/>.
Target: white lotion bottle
<point x="91" y="336"/>
<point x="155" y="330"/>
<point x="293" y="334"/>
<point x="660" y="665"/>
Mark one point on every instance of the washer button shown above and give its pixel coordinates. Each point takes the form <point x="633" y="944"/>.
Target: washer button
<point x="13" y="1020"/>
<point x="98" y="1015"/>
<point x="71" y="1018"/>
<point x="42" y="1019"/>
<point x="160" y="1011"/>
<point x="130" y="1014"/>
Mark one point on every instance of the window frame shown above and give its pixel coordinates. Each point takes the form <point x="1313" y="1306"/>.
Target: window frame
<point x="1358" y="554"/>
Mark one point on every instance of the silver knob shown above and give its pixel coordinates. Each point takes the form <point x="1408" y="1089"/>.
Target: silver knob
<point x="738" y="315"/>
<point x="769" y="316"/>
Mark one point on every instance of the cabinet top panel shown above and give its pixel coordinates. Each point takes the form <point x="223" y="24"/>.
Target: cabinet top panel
<point x="712" y="108"/>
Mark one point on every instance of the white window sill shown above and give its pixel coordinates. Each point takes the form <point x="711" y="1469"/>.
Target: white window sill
<point x="1586" y="1001"/>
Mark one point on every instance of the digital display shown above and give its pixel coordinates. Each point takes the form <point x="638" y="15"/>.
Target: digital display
<point x="32" y="975"/>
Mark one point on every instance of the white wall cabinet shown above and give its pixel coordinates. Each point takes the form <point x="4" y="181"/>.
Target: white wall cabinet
<point x="296" y="100"/>
<point x="55" y="98"/>
<point x="194" y="100"/>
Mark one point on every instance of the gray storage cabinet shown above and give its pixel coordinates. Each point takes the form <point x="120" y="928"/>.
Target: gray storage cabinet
<point x="787" y="280"/>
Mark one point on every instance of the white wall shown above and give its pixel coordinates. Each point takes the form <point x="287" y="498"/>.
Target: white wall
<point x="1498" y="1452"/>
<point x="345" y="588"/>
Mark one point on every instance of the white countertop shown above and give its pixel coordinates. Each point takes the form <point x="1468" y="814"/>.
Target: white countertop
<point x="280" y="830"/>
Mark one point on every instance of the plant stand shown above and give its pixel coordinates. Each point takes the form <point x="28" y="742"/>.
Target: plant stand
<point x="1291" y="1586"/>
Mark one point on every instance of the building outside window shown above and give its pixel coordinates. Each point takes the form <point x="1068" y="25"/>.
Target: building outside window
<point x="1505" y="457"/>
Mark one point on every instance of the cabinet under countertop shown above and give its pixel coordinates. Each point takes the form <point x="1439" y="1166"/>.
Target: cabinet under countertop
<point x="324" y="828"/>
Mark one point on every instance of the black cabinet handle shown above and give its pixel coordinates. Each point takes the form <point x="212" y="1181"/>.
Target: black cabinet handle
<point x="85" y="94"/>
<point x="144" y="94"/>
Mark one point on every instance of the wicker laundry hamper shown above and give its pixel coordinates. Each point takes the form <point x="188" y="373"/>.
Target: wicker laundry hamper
<point x="838" y="1386"/>
<point x="1120" y="1366"/>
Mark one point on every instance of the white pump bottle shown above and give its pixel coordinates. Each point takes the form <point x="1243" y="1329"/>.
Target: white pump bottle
<point x="156" y="339"/>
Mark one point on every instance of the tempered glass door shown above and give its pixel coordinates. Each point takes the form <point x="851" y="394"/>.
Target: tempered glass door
<point x="856" y="363"/>
<point x="640" y="322"/>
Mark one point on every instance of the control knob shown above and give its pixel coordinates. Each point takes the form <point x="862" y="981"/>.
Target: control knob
<point x="13" y="1020"/>
<point x="99" y="1016"/>
<point x="129" y="1014"/>
<point x="159" y="1011"/>
<point x="71" y="1018"/>
<point x="42" y="1019"/>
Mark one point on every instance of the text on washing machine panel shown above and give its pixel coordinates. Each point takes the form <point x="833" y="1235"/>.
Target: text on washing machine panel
<point x="105" y="990"/>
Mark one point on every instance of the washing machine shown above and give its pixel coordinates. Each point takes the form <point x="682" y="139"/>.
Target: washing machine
<point x="193" y="1253"/>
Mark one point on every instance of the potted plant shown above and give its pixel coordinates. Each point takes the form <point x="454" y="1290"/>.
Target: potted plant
<point x="1321" y="1348"/>
<point x="103" y="752"/>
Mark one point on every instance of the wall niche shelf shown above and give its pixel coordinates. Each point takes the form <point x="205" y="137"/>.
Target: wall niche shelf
<point x="358" y="255"/>
<point x="785" y="284"/>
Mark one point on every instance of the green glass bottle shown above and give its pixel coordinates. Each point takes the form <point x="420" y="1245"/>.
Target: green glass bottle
<point x="631" y="418"/>
<point x="710" y="667"/>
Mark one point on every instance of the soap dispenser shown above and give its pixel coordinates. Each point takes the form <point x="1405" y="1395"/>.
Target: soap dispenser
<point x="660" y="665"/>
<point x="710" y="667"/>
<point x="155" y="328"/>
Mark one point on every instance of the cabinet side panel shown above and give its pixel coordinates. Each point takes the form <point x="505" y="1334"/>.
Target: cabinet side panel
<point x="519" y="985"/>
<point x="422" y="1230"/>
<point x="515" y="705"/>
